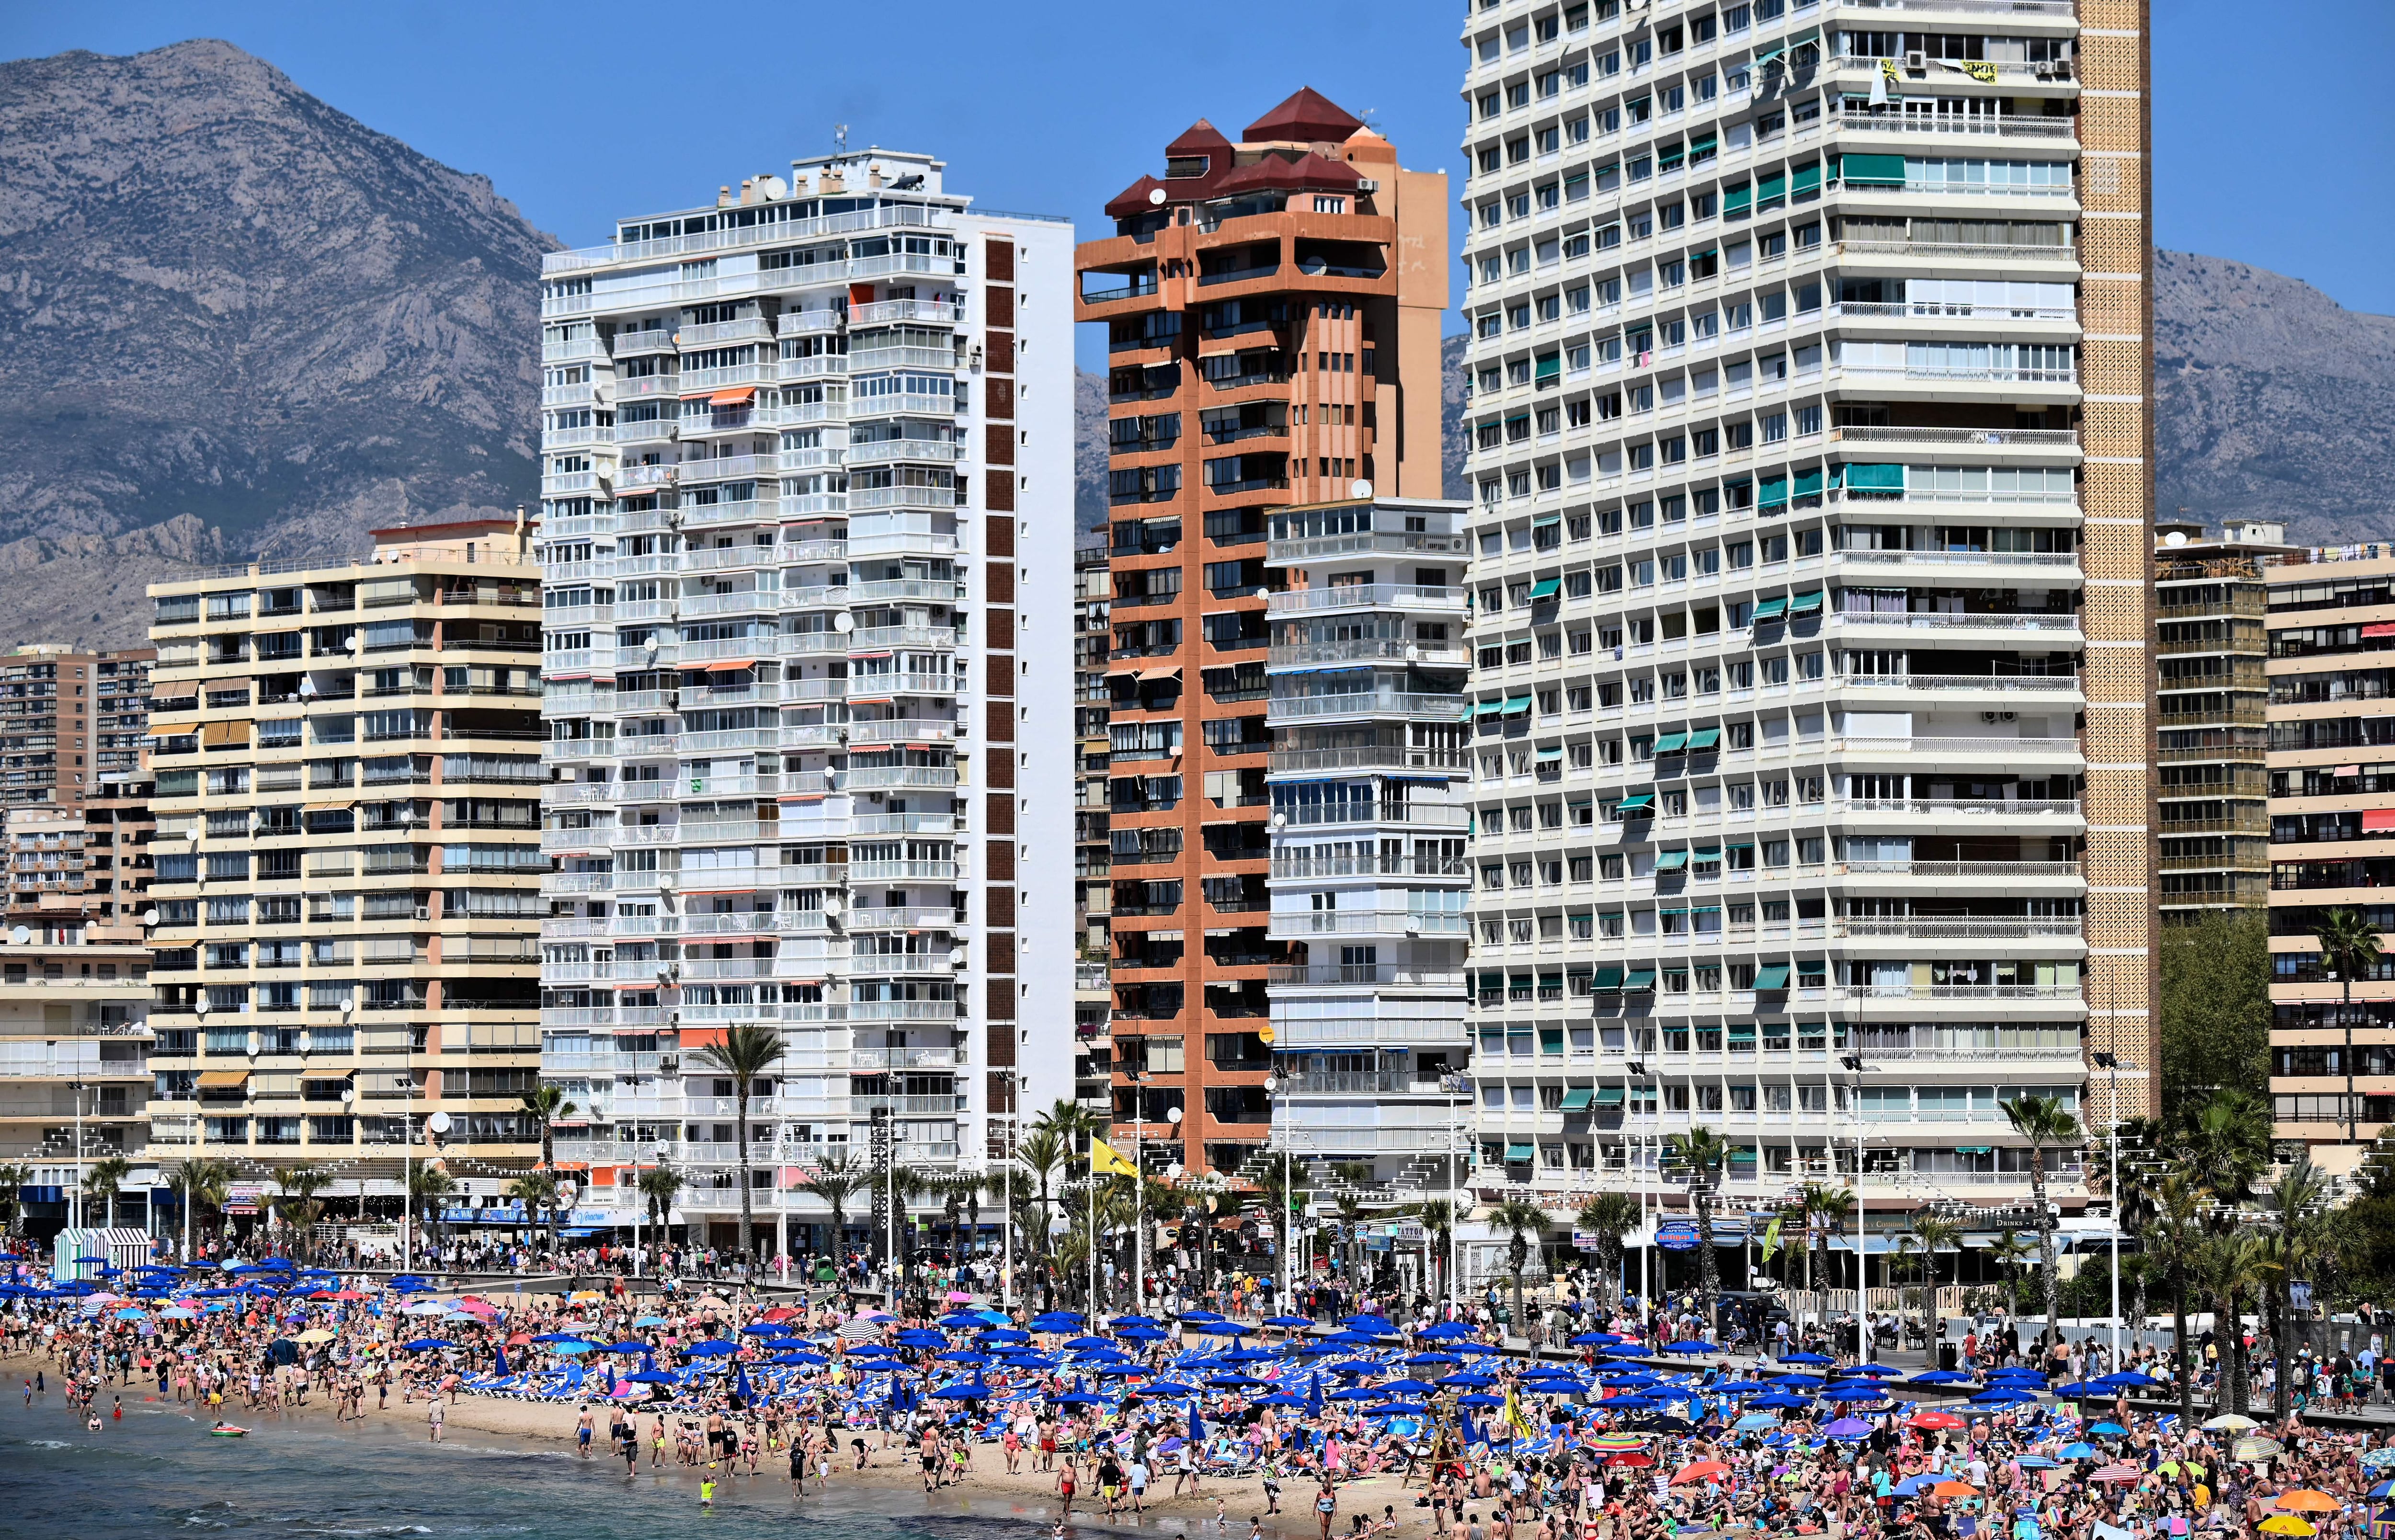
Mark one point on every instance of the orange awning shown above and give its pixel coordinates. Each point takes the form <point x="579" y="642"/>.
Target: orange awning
<point x="737" y="396"/>
<point x="732" y="665"/>
<point x="213" y="1079"/>
<point x="216" y="735"/>
<point x="173" y="729"/>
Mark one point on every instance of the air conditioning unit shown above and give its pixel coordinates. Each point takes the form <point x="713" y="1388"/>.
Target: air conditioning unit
<point x="1916" y="59"/>
<point x="1367" y="186"/>
<point x="424" y="911"/>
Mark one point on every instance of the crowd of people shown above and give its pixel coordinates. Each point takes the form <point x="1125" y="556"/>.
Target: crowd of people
<point x="1637" y="1427"/>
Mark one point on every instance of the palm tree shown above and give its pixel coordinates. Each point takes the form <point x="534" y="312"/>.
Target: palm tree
<point x="1284" y="1189"/>
<point x="2231" y="1268"/>
<point x="12" y="1179"/>
<point x="1042" y="1154"/>
<point x="748" y="1049"/>
<point x="427" y="1186"/>
<point x="835" y="1181"/>
<point x="2010" y="1252"/>
<point x="101" y="1181"/>
<point x="2044" y="1120"/>
<point x="2348" y="945"/>
<point x="1438" y="1216"/>
<point x="659" y="1186"/>
<point x="1610" y="1216"/>
<point x="1936" y="1232"/>
<point x="2171" y="1240"/>
<point x="301" y="1184"/>
<point x="1522" y="1222"/>
<point x="1830" y="1204"/>
<point x="204" y="1183"/>
<point x="534" y="1190"/>
<point x="2297" y="1207"/>
<point x="1704" y="1155"/>
<point x="1072" y="1123"/>
<point x="2224" y="1147"/>
<point x="545" y="1104"/>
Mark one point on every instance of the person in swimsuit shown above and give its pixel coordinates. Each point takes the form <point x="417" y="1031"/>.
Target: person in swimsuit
<point x="1326" y="1508"/>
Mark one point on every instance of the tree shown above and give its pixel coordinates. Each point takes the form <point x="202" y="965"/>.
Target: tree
<point x="2171" y="1239"/>
<point x="13" y="1179"/>
<point x="101" y="1181"/>
<point x="1072" y="1123"/>
<point x="2296" y="1208"/>
<point x="1703" y="1156"/>
<point x="1042" y="1154"/>
<point x="2224" y="1147"/>
<point x="2042" y="1121"/>
<point x="2214" y="1005"/>
<point x="1936" y="1232"/>
<point x="835" y="1181"/>
<point x="1284" y="1189"/>
<point x="748" y="1049"/>
<point x="545" y="1104"/>
<point x="2010" y="1254"/>
<point x="1829" y="1204"/>
<point x="1522" y="1222"/>
<point x="301" y="1183"/>
<point x="2233" y="1268"/>
<point x="1438" y="1216"/>
<point x="534" y="1190"/>
<point x="1610" y="1216"/>
<point x="659" y="1187"/>
<point x="427" y="1186"/>
<point x="2348" y="948"/>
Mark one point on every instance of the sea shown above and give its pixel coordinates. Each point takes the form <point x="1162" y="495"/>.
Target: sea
<point x="158" y="1475"/>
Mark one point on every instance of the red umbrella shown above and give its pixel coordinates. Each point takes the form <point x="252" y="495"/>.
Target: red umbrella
<point x="1936" y="1420"/>
<point x="1701" y="1470"/>
<point x="1634" y="1459"/>
<point x="2118" y="1471"/>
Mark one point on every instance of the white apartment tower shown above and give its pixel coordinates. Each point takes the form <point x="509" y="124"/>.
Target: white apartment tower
<point x="807" y="530"/>
<point x="1805" y="439"/>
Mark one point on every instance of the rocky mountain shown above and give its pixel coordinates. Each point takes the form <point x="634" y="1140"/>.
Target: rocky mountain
<point x="2274" y="401"/>
<point x="1088" y="453"/>
<point x="238" y="322"/>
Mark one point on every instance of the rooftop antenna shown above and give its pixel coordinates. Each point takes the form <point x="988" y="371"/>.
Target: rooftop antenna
<point x="839" y="139"/>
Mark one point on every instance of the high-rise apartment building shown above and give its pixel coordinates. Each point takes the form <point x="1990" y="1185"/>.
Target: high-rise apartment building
<point x="2331" y="623"/>
<point x="2214" y="832"/>
<point x="345" y="889"/>
<point x="74" y="1070"/>
<point x="70" y="720"/>
<point x="1809" y="434"/>
<point x="1272" y="309"/>
<point x="1092" y="868"/>
<point x="808" y="527"/>
<point x="91" y="859"/>
<point x="1370" y="879"/>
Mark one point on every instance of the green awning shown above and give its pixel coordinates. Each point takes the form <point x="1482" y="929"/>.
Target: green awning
<point x="1577" y="1097"/>
<point x="1668" y="157"/>
<point x="1771" y="189"/>
<point x="1545" y="588"/>
<point x="1773" y="493"/>
<point x="1546" y="754"/>
<point x="1551" y="365"/>
<point x="1608" y="978"/>
<point x="1809" y="178"/>
<point x="1741" y="1029"/>
<point x="1706" y="908"/>
<point x="1770" y="609"/>
<point x="1671" y="743"/>
<point x="1877" y="170"/>
<point x="1707" y="853"/>
<point x="1516" y="705"/>
<point x="1875" y="478"/>
<point x="1804" y="603"/>
<point x="1489" y="709"/>
<point x="1607" y="1096"/>
<point x="1640" y="978"/>
<point x="1739" y="845"/>
<point x="1808" y="483"/>
<point x="1638" y="803"/>
<point x="1517" y="1153"/>
<point x="1608" y="169"/>
<point x="1703" y="737"/>
<point x="1770" y="55"/>
<point x="1703" y="143"/>
<point x="1775" y="977"/>
<point x="1671" y="860"/>
<point x="1739" y="199"/>
<point x="1546" y="521"/>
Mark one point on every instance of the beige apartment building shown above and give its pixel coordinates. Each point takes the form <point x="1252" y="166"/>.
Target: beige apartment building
<point x="348" y="859"/>
<point x="74" y="1073"/>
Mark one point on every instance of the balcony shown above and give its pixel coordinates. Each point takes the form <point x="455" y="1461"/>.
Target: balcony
<point x="1369" y="703"/>
<point x="1398" y="596"/>
<point x="1976" y="126"/>
<point x="1370" y="649"/>
<point x="1363" y="543"/>
<point x="1377" y="756"/>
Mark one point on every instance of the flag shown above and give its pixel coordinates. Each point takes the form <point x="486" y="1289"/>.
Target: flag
<point x="740" y="1386"/>
<point x="1981" y="70"/>
<point x="1881" y="81"/>
<point x="1197" y="1428"/>
<point x="1471" y="1434"/>
<point x="1771" y="1238"/>
<point x="1514" y="1411"/>
<point x="1314" y="1396"/>
<point x="1103" y="1162"/>
<point x="499" y="1351"/>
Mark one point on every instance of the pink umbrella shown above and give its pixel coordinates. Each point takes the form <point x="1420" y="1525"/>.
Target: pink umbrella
<point x="958" y="1297"/>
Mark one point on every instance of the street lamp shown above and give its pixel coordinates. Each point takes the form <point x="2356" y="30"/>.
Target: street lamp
<point x="1637" y="1069"/>
<point x="2111" y="1064"/>
<point x="1853" y="1064"/>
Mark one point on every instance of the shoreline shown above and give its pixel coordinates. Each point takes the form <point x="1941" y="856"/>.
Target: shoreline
<point x="988" y="1492"/>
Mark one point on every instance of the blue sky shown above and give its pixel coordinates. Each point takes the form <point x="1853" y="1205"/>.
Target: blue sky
<point x="2268" y="149"/>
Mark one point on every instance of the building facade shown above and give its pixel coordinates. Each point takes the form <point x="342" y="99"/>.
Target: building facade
<point x="1808" y="437"/>
<point x="2212" y="851"/>
<point x="1093" y="866"/>
<point x="808" y="529"/>
<point x="347" y="863"/>
<point x="2331" y="622"/>
<point x="70" y="720"/>
<point x="1369" y="880"/>
<point x="1273" y="309"/>
<point x="74" y="1066"/>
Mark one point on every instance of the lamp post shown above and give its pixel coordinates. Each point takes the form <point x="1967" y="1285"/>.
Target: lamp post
<point x="74" y="1088"/>
<point x="1457" y="1085"/>
<point x="2111" y="1063"/>
<point x="1637" y="1069"/>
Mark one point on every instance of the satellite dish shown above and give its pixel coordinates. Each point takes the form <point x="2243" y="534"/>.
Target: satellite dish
<point x="831" y="909"/>
<point x="438" y="1122"/>
<point x="1156" y="196"/>
<point x="1360" y="489"/>
<point x="955" y="957"/>
<point x="1281" y="820"/>
<point x="307" y="687"/>
<point x="192" y="833"/>
<point x="1311" y="264"/>
<point x="774" y="187"/>
<point x="20" y="935"/>
<point x="307" y="1040"/>
<point x="348" y="1006"/>
<point x="148" y="917"/>
<point x="357" y="642"/>
<point x="200" y="1005"/>
<point x="843" y="622"/>
<point x="349" y="1094"/>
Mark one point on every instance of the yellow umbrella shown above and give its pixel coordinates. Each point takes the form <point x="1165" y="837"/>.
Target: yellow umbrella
<point x="318" y="1335"/>
<point x="585" y="1296"/>
<point x="2286" y="1524"/>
